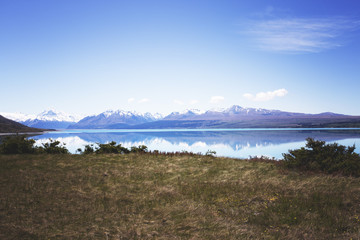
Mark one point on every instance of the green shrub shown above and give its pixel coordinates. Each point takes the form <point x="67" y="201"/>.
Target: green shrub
<point x="17" y="144"/>
<point x="139" y="149"/>
<point x="53" y="147"/>
<point x="111" y="147"/>
<point x="88" y="149"/>
<point x="327" y="158"/>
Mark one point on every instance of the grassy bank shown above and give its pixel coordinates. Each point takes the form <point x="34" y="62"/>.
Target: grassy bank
<point x="144" y="196"/>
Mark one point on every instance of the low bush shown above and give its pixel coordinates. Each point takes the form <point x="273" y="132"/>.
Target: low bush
<point x="111" y="147"/>
<point x="53" y="147"/>
<point x="88" y="149"/>
<point x="327" y="158"/>
<point x="17" y="144"/>
<point x="139" y="149"/>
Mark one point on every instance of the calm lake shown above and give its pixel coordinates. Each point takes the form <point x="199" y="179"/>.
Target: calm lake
<point x="238" y="143"/>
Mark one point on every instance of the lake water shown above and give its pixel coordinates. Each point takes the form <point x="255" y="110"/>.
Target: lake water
<point x="238" y="143"/>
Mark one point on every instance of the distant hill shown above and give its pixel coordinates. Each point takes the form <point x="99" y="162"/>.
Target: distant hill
<point x="10" y="126"/>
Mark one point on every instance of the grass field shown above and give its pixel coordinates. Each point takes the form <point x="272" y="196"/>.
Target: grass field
<point x="147" y="196"/>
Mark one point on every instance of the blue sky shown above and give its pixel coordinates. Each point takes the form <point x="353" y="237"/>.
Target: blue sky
<point x="160" y="56"/>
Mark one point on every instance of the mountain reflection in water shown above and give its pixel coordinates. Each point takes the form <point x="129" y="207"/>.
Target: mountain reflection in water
<point x="234" y="143"/>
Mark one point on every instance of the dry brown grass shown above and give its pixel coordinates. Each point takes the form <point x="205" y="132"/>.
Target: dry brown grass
<point x="144" y="196"/>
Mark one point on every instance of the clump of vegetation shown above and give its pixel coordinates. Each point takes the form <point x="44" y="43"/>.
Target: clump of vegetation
<point x="210" y="153"/>
<point x="139" y="149"/>
<point x="316" y="156"/>
<point x="87" y="150"/>
<point x="327" y="158"/>
<point x="111" y="147"/>
<point x="262" y="158"/>
<point x="176" y="153"/>
<point x="17" y="144"/>
<point x="53" y="147"/>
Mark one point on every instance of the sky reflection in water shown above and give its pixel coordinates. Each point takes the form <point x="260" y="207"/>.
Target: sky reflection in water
<point x="229" y="143"/>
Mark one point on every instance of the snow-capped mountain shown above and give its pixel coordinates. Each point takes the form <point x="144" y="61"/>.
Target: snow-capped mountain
<point x="231" y="113"/>
<point x="49" y="119"/>
<point x="53" y="115"/>
<point x="232" y="117"/>
<point x="237" y="110"/>
<point x="157" y="116"/>
<point x="115" y="119"/>
<point x="189" y="113"/>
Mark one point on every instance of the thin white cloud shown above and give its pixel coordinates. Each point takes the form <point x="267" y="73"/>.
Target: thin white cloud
<point x="130" y="100"/>
<point x="266" y="96"/>
<point x="144" y="100"/>
<point x="216" y="99"/>
<point x="178" y="102"/>
<point x="299" y="35"/>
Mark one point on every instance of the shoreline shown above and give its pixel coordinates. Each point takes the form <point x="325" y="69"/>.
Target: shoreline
<point x="26" y="133"/>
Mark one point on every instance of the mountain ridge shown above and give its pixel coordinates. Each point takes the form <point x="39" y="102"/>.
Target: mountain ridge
<point x="232" y="117"/>
<point x="115" y="119"/>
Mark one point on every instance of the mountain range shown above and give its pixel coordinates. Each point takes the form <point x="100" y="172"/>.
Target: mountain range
<point x="49" y="119"/>
<point x="232" y="117"/>
<point x="115" y="119"/>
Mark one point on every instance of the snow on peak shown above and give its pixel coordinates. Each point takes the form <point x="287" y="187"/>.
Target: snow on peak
<point x="123" y="113"/>
<point x="192" y="111"/>
<point x="236" y="109"/>
<point x="158" y="116"/>
<point x="155" y="116"/>
<point x="53" y="115"/>
<point x="47" y="115"/>
<point x="108" y="113"/>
